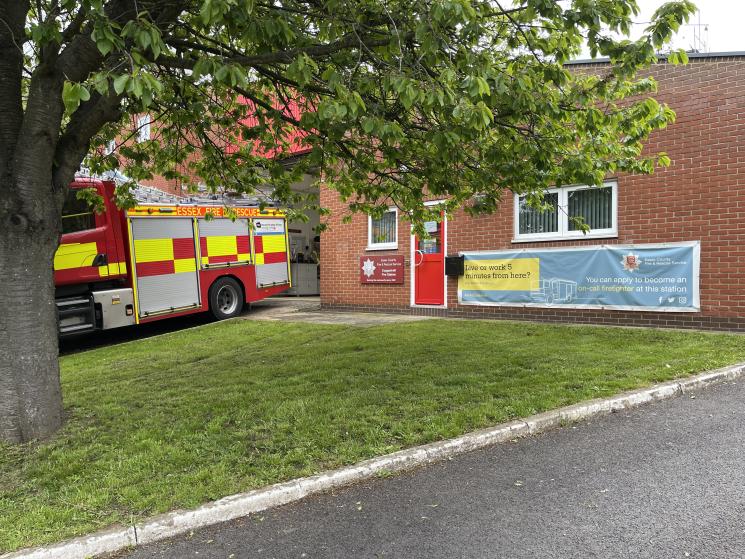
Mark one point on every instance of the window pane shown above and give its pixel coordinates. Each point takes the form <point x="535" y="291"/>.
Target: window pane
<point x="384" y="229"/>
<point x="431" y="245"/>
<point x="533" y="221"/>
<point x="76" y="214"/>
<point x="143" y="128"/>
<point x="595" y="205"/>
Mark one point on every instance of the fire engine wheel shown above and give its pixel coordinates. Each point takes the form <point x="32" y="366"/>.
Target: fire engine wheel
<point x="226" y="299"/>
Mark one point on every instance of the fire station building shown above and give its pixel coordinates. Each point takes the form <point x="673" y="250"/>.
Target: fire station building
<point x="665" y="250"/>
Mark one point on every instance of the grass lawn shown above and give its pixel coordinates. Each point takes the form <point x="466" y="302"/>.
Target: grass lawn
<point x="177" y="420"/>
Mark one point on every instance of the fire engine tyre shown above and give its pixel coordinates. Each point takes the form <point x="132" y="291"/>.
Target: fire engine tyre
<point x="226" y="298"/>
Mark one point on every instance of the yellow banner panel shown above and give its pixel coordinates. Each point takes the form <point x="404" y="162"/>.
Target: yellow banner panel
<point x="184" y="265"/>
<point x="259" y="259"/>
<point x="508" y="274"/>
<point x="153" y="250"/>
<point x="74" y="255"/>
<point x="221" y="246"/>
<point x="273" y="243"/>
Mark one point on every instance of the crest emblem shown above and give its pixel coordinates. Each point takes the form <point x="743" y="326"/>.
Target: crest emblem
<point x="368" y="268"/>
<point x="630" y="262"/>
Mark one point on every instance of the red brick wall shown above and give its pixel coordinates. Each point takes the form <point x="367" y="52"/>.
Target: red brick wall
<point x="168" y="186"/>
<point x="173" y="186"/>
<point x="701" y="196"/>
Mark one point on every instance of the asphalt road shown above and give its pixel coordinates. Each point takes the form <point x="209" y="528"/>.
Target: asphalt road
<point x="666" y="480"/>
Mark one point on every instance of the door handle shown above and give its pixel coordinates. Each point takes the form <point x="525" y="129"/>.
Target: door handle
<point x="419" y="252"/>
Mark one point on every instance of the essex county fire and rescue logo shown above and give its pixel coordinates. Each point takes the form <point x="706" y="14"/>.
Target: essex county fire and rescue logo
<point x="630" y="262"/>
<point x="368" y="268"/>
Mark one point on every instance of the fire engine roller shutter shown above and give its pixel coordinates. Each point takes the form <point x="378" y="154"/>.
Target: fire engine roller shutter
<point x="165" y="264"/>
<point x="223" y="241"/>
<point x="270" y="249"/>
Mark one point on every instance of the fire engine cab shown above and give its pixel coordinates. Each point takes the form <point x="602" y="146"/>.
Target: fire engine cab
<point x="119" y="268"/>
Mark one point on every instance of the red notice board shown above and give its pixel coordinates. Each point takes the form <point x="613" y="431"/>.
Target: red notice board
<point x="382" y="269"/>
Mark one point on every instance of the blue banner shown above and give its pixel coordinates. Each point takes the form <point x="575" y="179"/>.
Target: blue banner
<point x="661" y="277"/>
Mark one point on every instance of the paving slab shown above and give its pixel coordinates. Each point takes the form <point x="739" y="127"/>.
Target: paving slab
<point x="308" y="309"/>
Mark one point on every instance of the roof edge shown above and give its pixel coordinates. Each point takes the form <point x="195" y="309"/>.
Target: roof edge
<point x="661" y="57"/>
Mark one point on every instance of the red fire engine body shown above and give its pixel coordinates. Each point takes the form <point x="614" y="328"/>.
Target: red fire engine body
<point x="119" y="268"/>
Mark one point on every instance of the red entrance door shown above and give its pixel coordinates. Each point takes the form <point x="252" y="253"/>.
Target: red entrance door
<point x="429" y="267"/>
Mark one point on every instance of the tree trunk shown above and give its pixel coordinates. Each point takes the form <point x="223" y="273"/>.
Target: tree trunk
<point x="30" y="394"/>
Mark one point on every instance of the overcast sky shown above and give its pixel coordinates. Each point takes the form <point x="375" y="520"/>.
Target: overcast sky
<point x="721" y="30"/>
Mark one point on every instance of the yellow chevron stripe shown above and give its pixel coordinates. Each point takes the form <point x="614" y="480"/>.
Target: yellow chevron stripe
<point x="112" y="269"/>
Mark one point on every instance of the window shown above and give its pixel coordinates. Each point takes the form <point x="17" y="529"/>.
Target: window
<point x="143" y="128"/>
<point x="110" y="147"/>
<point x="77" y="215"/>
<point x="597" y="205"/>
<point x="382" y="234"/>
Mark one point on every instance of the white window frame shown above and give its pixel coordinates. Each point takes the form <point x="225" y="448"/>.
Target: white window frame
<point x="564" y="234"/>
<point x="382" y="246"/>
<point x="143" y="128"/>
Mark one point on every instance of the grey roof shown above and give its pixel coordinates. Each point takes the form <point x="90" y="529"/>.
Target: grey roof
<point x="691" y="55"/>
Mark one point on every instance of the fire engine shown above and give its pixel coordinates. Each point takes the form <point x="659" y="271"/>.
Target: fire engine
<point x="123" y="267"/>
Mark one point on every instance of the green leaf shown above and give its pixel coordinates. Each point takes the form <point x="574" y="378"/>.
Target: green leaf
<point x="222" y="73"/>
<point x="135" y="87"/>
<point x="120" y="83"/>
<point x="104" y="46"/>
<point x="205" y="13"/>
<point x="368" y="125"/>
<point x="72" y="95"/>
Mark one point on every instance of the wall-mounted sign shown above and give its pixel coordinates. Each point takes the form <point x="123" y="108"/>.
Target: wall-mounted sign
<point x="382" y="269"/>
<point x="662" y="277"/>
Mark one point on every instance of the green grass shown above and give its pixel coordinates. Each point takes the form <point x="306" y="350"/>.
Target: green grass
<point x="177" y="420"/>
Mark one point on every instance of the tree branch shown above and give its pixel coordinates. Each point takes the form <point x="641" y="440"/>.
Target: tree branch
<point x="264" y="105"/>
<point x="75" y="25"/>
<point x="74" y="143"/>
<point x="287" y="56"/>
<point x="81" y="56"/>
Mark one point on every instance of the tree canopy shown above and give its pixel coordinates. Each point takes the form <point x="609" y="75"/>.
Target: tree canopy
<point x="458" y="98"/>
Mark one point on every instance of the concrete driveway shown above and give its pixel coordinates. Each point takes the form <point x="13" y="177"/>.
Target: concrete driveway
<point x="308" y="309"/>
